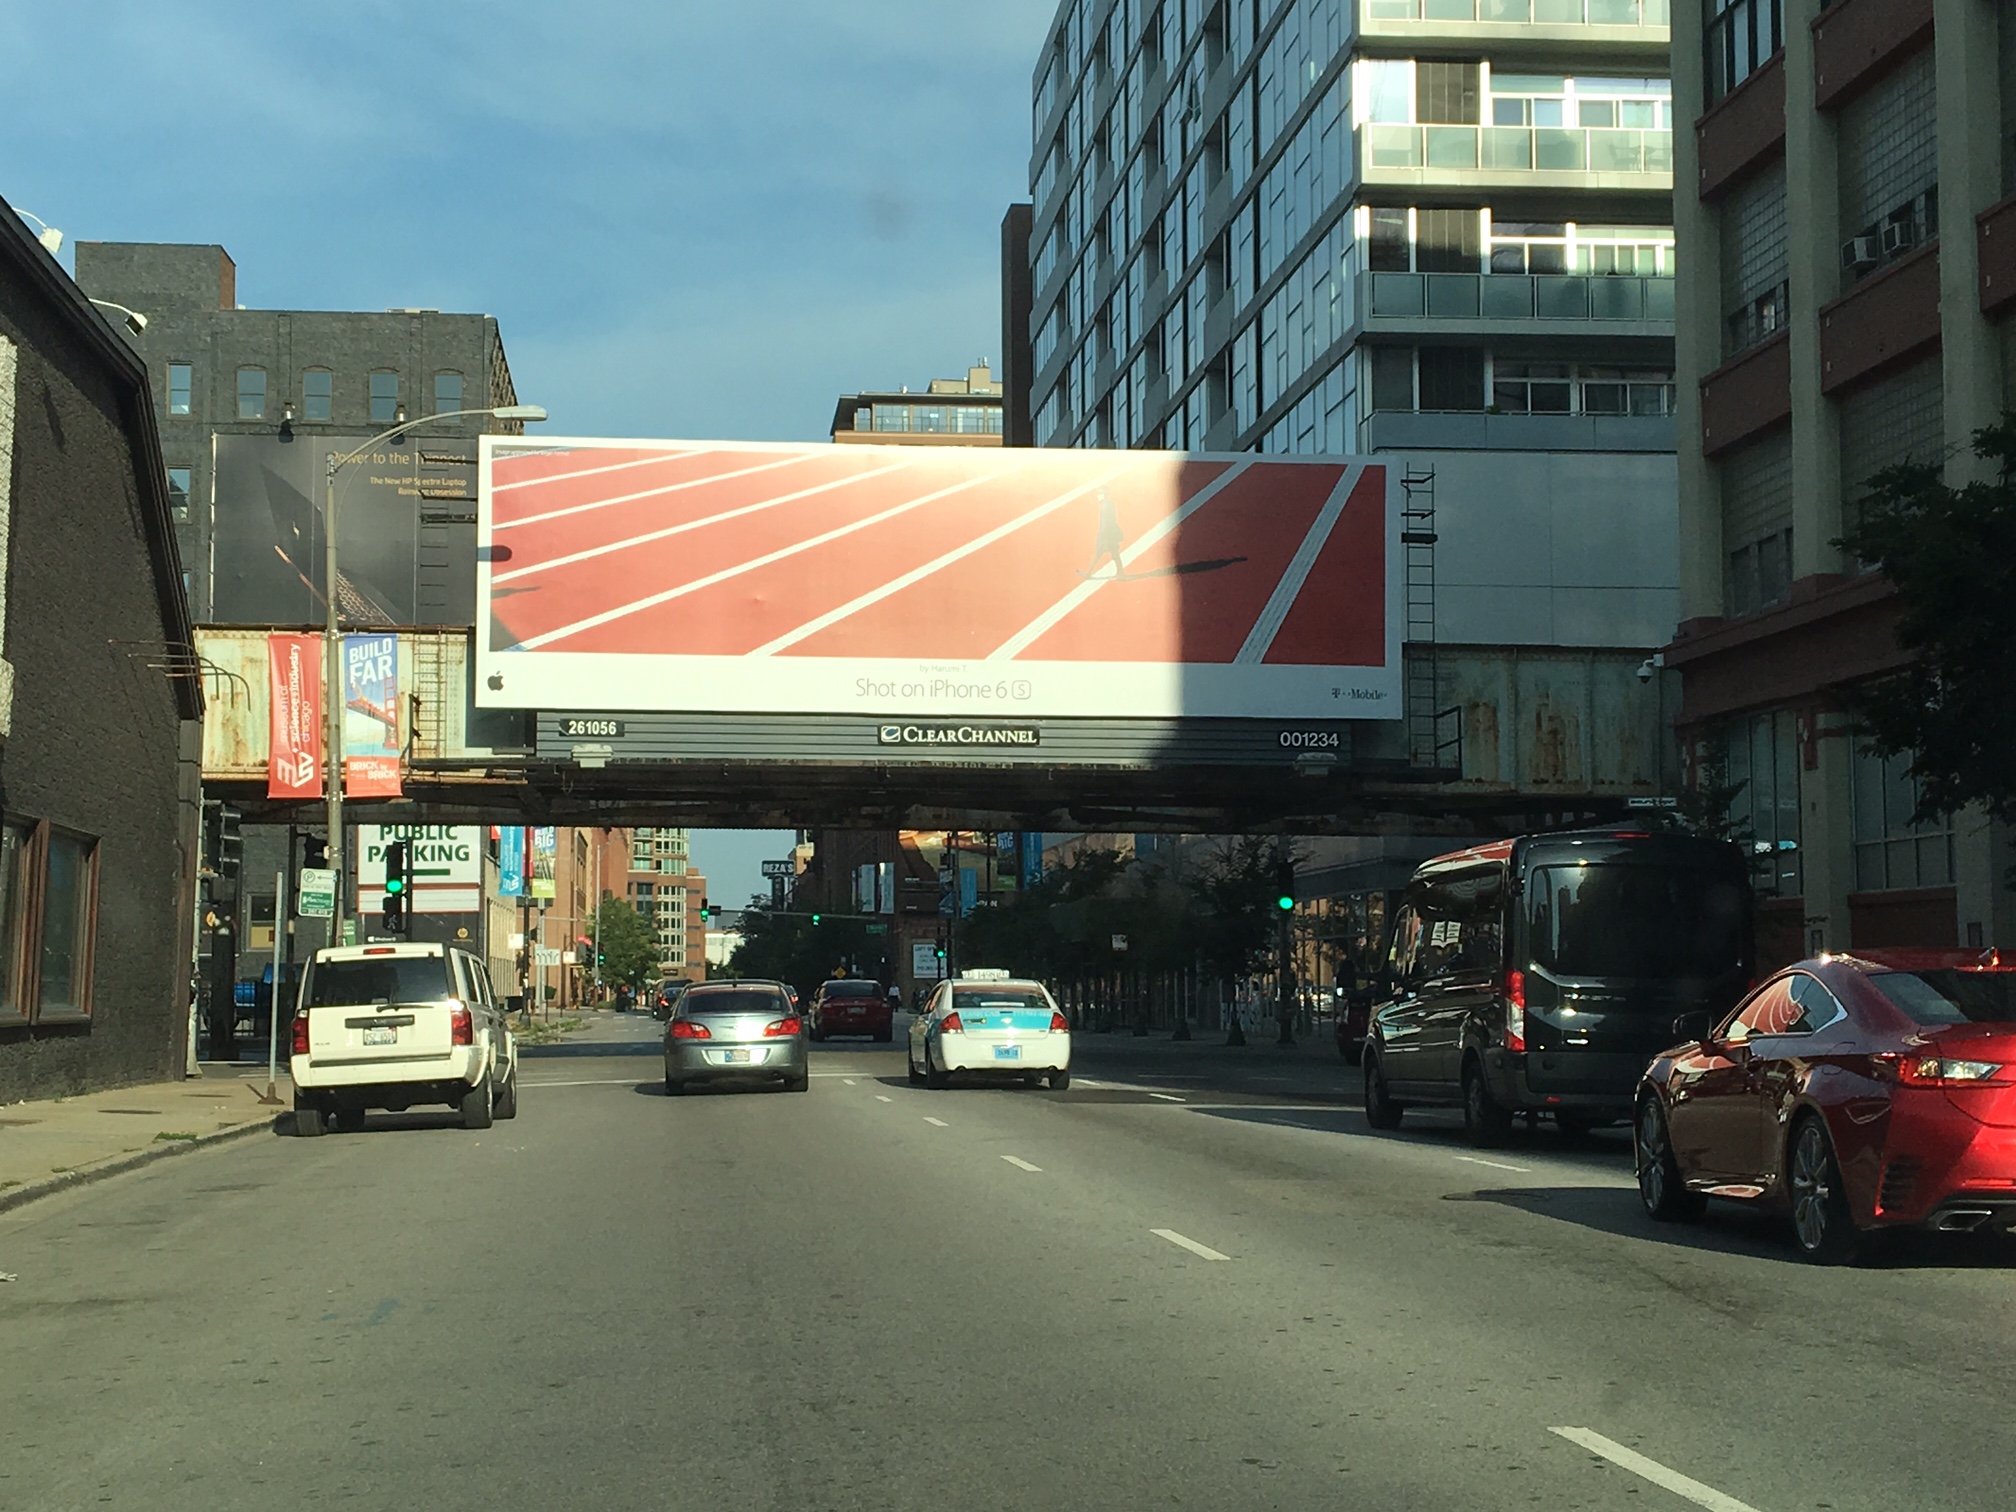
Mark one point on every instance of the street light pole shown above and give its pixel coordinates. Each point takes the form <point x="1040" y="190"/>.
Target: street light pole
<point x="332" y="648"/>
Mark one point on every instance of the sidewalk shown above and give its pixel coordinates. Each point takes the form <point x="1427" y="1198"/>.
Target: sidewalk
<point x="62" y="1142"/>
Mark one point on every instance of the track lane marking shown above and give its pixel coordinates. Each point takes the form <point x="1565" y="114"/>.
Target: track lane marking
<point x="936" y="1122"/>
<point x="1653" y="1471"/>
<point x="1261" y="637"/>
<point x="1020" y="1164"/>
<point x="1182" y="1242"/>
<point x="632" y="498"/>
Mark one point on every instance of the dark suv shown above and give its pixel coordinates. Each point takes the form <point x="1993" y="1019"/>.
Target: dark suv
<point x="846" y="1005"/>
<point x="1541" y="975"/>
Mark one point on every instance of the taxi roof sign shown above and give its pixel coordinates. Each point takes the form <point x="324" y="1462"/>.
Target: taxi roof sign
<point x="986" y="974"/>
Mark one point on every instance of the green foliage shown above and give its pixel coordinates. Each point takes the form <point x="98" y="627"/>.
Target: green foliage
<point x="629" y="950"/>
<point x="1952" y="555"/>
<point x="791" y="948"/>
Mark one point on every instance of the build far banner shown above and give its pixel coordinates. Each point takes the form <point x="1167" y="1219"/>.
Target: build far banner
<point x="899" y="583"/>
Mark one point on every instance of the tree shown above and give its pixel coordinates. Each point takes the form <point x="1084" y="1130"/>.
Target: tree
<point x="789" y="947"/>
<point x="1952" y="555"/>
<point x="629" y="949"/>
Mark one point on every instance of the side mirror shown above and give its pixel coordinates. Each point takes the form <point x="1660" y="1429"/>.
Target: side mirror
<point x="1692" y="1026"/>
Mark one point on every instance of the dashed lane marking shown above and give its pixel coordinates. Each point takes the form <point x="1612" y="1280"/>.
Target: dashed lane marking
<point x="846" y="1081"/>
<point x="1020" y="1164"/>
<point x="1653" y="1471"/>
<point x="1168" y="1097"/>
<point x="1496" y="1165"/>
<point x="936" y="1123"/>
<point x="1191" y="1245"/>
<point x="880" y="1098"/>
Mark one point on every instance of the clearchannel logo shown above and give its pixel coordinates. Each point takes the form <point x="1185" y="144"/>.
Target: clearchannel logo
<point x="959" y="735"/>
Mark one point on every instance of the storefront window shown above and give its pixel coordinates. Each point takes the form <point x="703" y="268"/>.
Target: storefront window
<point x="66" y="925"/>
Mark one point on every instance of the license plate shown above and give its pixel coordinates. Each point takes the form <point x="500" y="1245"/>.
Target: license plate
<point x="384" y="1036"/>
<point x="1007" y="1052"/>
<point x="734" y="1057"/>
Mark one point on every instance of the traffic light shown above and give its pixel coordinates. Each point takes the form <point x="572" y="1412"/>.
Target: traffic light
<point x="706" y="909"/>
<point x="815" y="920"/>
<point x="1284" y="885"/>
<point x="397" y="880"/>
<point x="941" y="952"/>
<point x="314" y="852"/>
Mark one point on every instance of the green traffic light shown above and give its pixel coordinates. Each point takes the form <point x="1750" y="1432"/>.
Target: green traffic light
<point x="1286" y="903"/>
<point x="395" y="885"/>
<point x="815" y="918"/>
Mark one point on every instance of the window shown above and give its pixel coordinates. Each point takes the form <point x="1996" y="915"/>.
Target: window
<point x="1392" y="378"/>
<point x="318" y="394"/>
<point x="69" y="898"/>
<point x="1889" y="157"/>
<point x="1762" y="761"/>
<point x="180" y="377"/>
<point x="1613" y="391"/>
<point x="1754" y="290"/>
<point x="1818" y="1008"/>
<point x="178" y="492"/>
<point x="1757" y="524"/>
<point x="1772" y="1011"/>
<point x="384" y="398"/>
<point x="447" y="393"/>
<point x="15" y="840"/>
<point x="1901" y="418"/>
<point x="251" y="393"/>
<point x="1532" y="388"/>
<point x="1891" y="851"/>
<point x="1741" y="36"/>
<point x="1529" y="247"/>
<point x="1636" y="921"/>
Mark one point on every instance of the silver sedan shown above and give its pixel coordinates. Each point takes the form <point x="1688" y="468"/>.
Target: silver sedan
<point x="735" y="1032"/>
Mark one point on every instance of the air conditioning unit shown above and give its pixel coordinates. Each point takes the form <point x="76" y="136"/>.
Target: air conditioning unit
<point x="1860" y="252"/>
<point x="1899" y="237"/>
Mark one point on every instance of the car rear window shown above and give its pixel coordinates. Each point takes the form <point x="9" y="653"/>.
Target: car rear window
<point x="1951" y="997"/>
<point x="735" y="1000"/>
<point x="982" y="997"/>
<point x="1636" y="921"/>
<point x="386" y="979"/>
<point x="852" y="989"/>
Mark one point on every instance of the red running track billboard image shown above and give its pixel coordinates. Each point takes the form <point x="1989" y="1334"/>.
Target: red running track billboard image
<point x="954" y="581"/>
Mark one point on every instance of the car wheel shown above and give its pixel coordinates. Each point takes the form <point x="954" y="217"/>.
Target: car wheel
<point x="1380" y="1110"/>
<point x="1661" y="1187"/>
<point x="307" y="1120"/>
<point x="1821" y="1224"/>
<point x="1484" y="1121"/>
<point x="1059" y="1080"/>
<point x="478" y="1106"/>
<point x="802" y="1082"/>
<point x="507" y="1099"/>
<point x="934" y="1078"/>
<point x="349" y="1118"/>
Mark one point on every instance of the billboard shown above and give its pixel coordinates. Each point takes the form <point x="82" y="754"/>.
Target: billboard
<point x="371" y="762"/>
<point x="406" y="531"/>
<point x="445" y="862"/>
<point x="545" y="862"/>
<point x="897" y="582"/>
<point x="511" y="861"/>
<point x="294" y="716"/>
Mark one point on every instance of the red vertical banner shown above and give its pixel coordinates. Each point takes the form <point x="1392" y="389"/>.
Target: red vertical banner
<point x="294" y="725"/>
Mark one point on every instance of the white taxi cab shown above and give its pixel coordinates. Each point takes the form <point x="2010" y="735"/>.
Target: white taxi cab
<point x="987" y="1021"/>
<point x="400" y="1026"/>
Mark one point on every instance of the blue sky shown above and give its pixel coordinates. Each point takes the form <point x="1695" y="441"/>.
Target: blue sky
<point x="690" y="219"/>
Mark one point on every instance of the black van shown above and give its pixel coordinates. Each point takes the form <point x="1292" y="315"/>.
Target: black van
<point x="1541" y="975"/>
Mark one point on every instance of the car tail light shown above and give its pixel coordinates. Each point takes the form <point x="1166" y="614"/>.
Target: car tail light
<point x="950" y="1025"/>
<point x="687" y="1029"/>
<point x="462" y="1028"/>
<point x="1515" y="1010"/>
<point x="783" y="1028"/>
<point x="301" y="1032"/>
<point x="1058" y="1023"/>
<point x="1939" y="1071"/>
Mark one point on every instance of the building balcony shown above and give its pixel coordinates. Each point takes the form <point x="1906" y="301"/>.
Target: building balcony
<point x="1541" y="304"/>
<point x="1516" y="157"/>
<point x="1617" y="28"/>
<point x="1410" y="430"/>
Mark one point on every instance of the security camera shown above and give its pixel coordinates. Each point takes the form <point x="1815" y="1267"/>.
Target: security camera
<point x="1646" y="668"/>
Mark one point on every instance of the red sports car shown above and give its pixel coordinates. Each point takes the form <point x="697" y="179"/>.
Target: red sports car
<point x="1856" y="1092"/>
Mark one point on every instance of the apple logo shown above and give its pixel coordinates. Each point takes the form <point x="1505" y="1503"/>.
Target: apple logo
<point x="496" y="682"/>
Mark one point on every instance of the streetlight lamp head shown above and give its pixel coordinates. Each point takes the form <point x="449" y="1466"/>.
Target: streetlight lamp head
<point x="519" y="412"/>
<point x="51" y="239"/>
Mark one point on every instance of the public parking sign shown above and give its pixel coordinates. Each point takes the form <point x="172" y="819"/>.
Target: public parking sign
<point x="317" y="892"/>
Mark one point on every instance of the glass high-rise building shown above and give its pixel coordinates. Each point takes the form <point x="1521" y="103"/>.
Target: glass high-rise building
<point x="1353" y="225"/>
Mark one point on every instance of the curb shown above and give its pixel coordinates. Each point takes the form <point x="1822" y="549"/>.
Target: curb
<point x="20" y="1196"/>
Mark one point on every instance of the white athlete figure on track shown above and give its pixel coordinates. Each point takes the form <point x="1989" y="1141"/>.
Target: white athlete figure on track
<point x="1109" y="540"/>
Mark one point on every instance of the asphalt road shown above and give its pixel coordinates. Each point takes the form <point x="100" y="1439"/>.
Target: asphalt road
<point x="874" y="1296"/>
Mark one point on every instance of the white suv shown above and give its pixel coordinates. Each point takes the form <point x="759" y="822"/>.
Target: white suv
<point x="395" y="1026"/>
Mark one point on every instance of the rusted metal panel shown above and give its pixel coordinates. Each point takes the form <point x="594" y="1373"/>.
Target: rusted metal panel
<point x="433" y="687"/>
<point x="1572" y="722"/>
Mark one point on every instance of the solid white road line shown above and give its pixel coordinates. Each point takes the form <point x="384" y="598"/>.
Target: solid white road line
<point x="1191" y="1245"/>
<point x="1496" y="1165"/>
<point x="684" y="527"/>
<point x="810" y="543"/>
<point x="1168" y="1097"/>
<point x="936" y="1122"/>
<point x="1282" y="599"/>
<point x="917" y="574"/>
<point x="1030" y="633"/>
<point x="1020" y="1164"/>
<point x="1653" y="1471"/>
<point x="880" y="1098"/>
